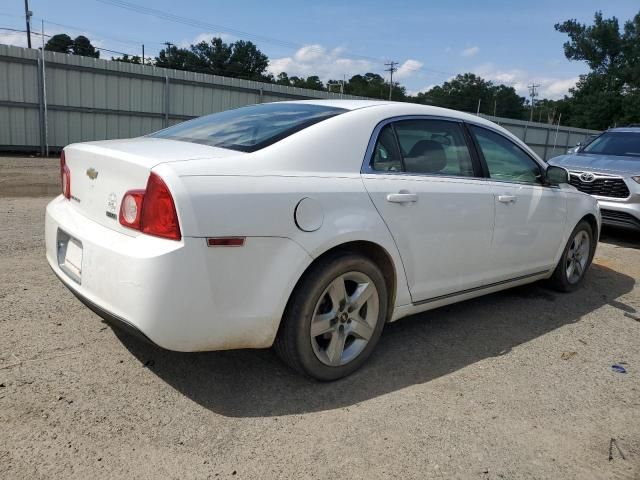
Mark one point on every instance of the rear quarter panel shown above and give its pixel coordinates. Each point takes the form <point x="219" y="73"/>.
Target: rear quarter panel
<point x="265" y="206"/>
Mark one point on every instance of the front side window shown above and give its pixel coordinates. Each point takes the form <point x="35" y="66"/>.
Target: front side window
<point x="433" y="147"/>
<point x="615" y="143"/>
<point x="250" y="128"/>
<point x="505" y="160"/>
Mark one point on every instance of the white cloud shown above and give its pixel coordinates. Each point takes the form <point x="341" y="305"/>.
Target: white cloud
<point x="18" y="39"/>
<point x="558" y="88"/>
<point x="408" y="68"/>
<point x="549" y="87"/>
<point x="317" y="60"/>
<point x="333" y="64"/>
<point x="426" y="88"/>
<point x="206" y="37"/>
<point x="470" y="52"/>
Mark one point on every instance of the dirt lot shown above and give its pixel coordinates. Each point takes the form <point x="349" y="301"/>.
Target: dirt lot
<point x="513" y="385"/>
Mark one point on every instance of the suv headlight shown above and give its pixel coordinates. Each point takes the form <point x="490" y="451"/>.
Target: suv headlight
<point x="636" y="179"/>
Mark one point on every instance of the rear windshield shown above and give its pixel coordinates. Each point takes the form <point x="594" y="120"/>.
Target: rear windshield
<point x="616" y="143"/>
<point x="250" y="128"/>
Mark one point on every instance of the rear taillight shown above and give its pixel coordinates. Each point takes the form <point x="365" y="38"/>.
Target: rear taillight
<point x="151" y="211"/>
<point x="65" y="177"/>
<point x="131" y="209"/>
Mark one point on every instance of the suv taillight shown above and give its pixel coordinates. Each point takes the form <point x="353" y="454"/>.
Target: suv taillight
<point x="65" y="177"/>
<point x="152" y="211"/>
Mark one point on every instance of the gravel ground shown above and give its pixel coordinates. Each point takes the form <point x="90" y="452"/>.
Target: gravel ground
<point x="513" y="385"/>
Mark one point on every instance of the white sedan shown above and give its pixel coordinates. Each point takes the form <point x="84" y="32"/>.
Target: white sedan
<point x="309" y="225"/>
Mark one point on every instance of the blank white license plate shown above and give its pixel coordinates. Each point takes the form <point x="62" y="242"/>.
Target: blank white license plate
<point x="73" y="257"/>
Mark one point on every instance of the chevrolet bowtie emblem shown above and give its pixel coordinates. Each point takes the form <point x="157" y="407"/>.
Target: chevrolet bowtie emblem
<point x="92" y="173"/>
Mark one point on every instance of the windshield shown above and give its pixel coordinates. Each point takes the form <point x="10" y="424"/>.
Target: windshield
<point x="615" y="143"/>
<point x="250" y="128"/>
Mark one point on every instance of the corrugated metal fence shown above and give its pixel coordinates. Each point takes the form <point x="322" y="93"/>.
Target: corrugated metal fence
<point x="546" y="140"/>
<point x="66" y="99"/>
<point x="85" y="99"/>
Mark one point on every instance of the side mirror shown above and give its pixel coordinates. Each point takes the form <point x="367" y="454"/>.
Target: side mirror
<point x="578" y="147"/>
<point x="556" y="175"/>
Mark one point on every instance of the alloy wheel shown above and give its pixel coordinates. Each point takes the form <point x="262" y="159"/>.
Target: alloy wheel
<point x="344" y="318"/>
<point x="577" y="257"/>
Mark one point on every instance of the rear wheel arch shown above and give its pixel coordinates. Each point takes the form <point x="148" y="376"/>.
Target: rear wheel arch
<point x="371" y="250"/>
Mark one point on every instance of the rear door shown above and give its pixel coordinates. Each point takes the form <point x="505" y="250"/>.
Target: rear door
<point x="529" y="216"/>
<point x="425" y="182"/>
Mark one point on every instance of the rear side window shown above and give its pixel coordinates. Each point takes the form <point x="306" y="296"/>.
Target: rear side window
<point x="431" y="147"/>
<point x="250" y="128"/>
<point x="386" y="156"/>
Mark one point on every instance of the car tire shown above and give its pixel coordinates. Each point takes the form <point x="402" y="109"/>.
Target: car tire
<point x="328" y="332"/>
<point x="575" y="260"/>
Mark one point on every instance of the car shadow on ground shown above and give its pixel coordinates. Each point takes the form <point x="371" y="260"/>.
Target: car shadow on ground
<point x="250" y="383"/>
<point x="620" y="237"/>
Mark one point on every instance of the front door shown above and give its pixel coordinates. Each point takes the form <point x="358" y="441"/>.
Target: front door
<point x="423" y="181"/>
<point x="529" y="216"/>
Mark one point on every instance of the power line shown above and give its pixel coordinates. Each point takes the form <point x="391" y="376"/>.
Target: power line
<point x="206" y="25"/>
<point x="49" y="36"/>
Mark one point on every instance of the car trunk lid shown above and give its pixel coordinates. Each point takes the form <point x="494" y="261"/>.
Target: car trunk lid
<point x="102" y="172"/>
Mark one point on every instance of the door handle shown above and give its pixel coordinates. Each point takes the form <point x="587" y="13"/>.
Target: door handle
<point x="507" y="198"/>
<point x="402" y="197"/>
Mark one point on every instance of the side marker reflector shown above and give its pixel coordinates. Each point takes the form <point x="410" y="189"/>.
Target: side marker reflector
<point x="226" y="242"/>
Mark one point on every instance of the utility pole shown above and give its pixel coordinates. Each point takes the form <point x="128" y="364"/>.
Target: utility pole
<point x="533" y="93"/>
<point x="168" y="52"/>
<point x="28" y="13"/>
<point x="143" y="53"/>
<point x="392" y="68"/>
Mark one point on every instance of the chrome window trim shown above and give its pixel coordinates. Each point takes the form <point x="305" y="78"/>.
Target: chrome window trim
<point x="368" y="156"/>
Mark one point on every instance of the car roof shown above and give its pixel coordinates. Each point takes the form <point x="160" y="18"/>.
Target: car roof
<point x="399" y="108"/>
<point x="625" y="129"/>
<point x="382" y="109"/>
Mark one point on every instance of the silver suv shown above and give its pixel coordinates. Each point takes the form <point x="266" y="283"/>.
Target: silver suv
<point x="608" y="168"/>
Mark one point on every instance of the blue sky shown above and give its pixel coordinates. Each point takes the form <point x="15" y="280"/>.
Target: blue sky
<point x="505" y="41"/>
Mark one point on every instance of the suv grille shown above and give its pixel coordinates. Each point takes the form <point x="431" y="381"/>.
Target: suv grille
<point x="601" y="186"/>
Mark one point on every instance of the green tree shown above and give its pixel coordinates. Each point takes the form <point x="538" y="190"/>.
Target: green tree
<point x="178" y="58"/>
<point x="610" y="93"/>
<point x="61" y="43"/>
<point x="246" y="61"/>
<point x="374" y="86"/>
<point x="312" y="82"/>
<point x="127" y="59"/>
<point x="240" y="59"/>
<point x="82" y="46"/>
<point x="213" y="56"/>
<point x="466" y="90"/>
<point x="283" y="79"/>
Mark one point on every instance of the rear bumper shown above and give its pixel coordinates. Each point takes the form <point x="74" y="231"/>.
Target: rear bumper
<point x="180" y="295"/>
<point x="110" y="318"/>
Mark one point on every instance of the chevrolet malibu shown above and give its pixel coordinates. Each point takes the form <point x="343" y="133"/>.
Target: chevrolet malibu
<point x="309" y="225"/>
